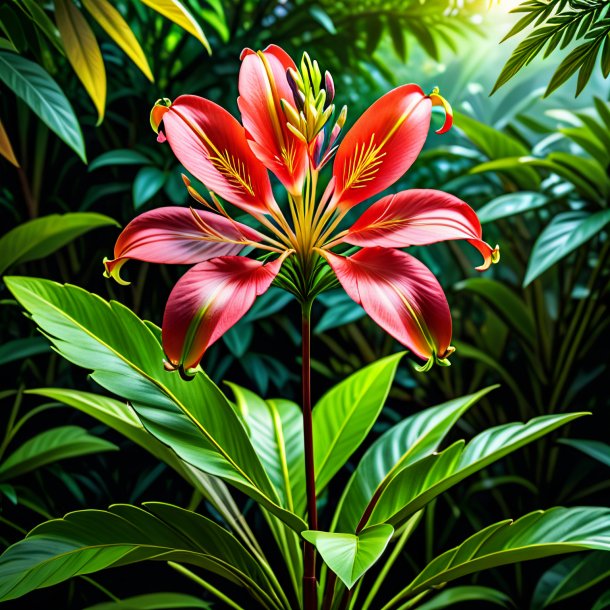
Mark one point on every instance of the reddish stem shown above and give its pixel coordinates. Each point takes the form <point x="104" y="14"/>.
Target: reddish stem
<point x="310" y="594"/>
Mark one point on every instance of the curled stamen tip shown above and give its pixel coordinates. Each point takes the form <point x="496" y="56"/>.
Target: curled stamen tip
<point x="112" y="269"/>
<point x="162" y="105"/>
<point x="438" y="100"/>
<point x="495" y="255"/>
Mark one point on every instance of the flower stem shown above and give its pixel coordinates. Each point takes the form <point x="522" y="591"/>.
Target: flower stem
<point x="310" y="596"/>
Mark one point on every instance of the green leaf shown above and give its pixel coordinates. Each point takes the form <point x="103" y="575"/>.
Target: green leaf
<point x="412" y="439"/>
<point x="350" y="556"/>
<point x="511" y="204"/>
<point x="466" y="593"/>
<point x="276" y="432"/>
<point x="596" y="449"/>
<point x="87" y="541"/>
<point x="193" y="417"/>
<point x="121" y="417"/>
<point x="154" y="601"/>
<point x="413" y="487"/>
<point x="344" y="415"/>
<point x="42" y="20"/>
<point x="539" y="534"/>
<point x="36" y="239"/>
<point x="51" y="446"/>
<point x="148" y="183"/>
<point x="83" y="52"/>
<point x="570" y="577"/>
<point x="20" y="349"/>
<point x="563" y="235"/>
<point x="120" y="156"/>
<point x="323" y="18"/>
<point x="40" y="92"/>
<point x="504" y="302"/>
<point x="498" y="145"/>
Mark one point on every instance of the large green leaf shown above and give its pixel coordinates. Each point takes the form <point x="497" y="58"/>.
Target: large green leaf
<point x="87" y="541"/>
<point x="539" y="534"/>
<point x="148" y="183"/>
<point x="40" y="92"/>
<point x="121" y="417"/>
<point x="50" y="446"/>
<point x="120" y="156"/>
<point x="563" y="235"/>
<point x="193" y="417"/>
<point x="20" y="349"/>
<point x="511" y="204"/>
<point x="504" y="302"/>
<point x="497" y="145"/>
<point x="42" y="236"/>
<point x="412" y="439"/>
<point x="155" y="601"/>
<point x="344" y="415"/>
<point x="350" y="556"/>
<point x="413" y="487"/>
<point x="466" y="593"/>
<point x="276" y="432"/>
<point x="570" y="577"/>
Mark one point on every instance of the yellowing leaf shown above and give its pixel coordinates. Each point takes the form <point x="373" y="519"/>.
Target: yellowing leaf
<point x="83" y="52"/>
<point x="117" y="28"/>
<point x="175" y="11"/>
<point x="6" y="150"/>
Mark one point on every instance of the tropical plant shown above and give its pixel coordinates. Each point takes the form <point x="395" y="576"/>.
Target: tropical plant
<point x="280" y="455"/>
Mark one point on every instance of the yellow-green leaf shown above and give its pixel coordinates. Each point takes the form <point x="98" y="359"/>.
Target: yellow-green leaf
<point x="175" y="11"/>
<point x="83" y="52"/>
<point x="6" y="150"/>
<point x="117" y="28"/>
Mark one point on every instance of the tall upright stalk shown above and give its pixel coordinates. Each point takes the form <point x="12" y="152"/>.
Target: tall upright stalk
<point x="310" y="596"/>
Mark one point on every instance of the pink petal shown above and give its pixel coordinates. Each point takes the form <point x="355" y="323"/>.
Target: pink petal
<point x="382" y="145"/>
<point x="181" y="236"/>
<point x="262" y="86"/>
<point x="401" y="295"/>
<point x="208" y="300"/>
<point x="212" y="145"/>
<point x="419" y="217"/>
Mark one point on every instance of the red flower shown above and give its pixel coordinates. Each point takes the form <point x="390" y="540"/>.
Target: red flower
<point x="286" y="113"/>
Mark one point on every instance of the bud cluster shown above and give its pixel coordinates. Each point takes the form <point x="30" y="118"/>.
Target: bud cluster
<point x="312" y="109"/>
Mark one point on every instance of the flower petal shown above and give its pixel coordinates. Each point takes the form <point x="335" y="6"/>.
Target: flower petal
<point x="382" y="145"/>
<point x="181" y="236"/>
<point x="419" y="217"/>
<point x="209" y="299"/>
<point x="401" y="295"/>
<point x="262" y="86"/>
<point x="212" y="145"/>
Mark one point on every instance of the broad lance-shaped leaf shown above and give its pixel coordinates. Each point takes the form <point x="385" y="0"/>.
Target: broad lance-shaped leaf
<point x="415" y="486"/>
<point x="50" y="446"/>
<point x="120" y="416"/>
<point x="539" y="534"/>
<point x="41" y="93"/>
<point x="344" y="416"/>
<point x="276" y="433"/>
<point x="87" y="541"/>
<point x="83" y="52"/>
<point x="117" y="28"/>
<point x="569" y="577"/>
<point x="405" y="443"/>
<point x="563" y="235"/>
<point x="194" y="418"/>
<point x="42" y="236"/>
<point x="595" y="449"/>
<point x="350" y="556"/>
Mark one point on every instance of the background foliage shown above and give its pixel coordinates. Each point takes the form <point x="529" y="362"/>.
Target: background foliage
<point x="80" y="160"/>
